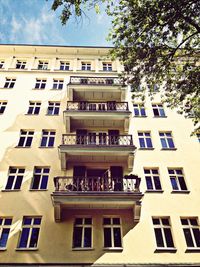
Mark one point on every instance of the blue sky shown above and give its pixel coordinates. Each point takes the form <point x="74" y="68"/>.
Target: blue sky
<point x="33" y="22"/>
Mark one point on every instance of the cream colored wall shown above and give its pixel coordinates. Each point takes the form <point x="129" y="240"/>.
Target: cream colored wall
<point x="55" y="241"/>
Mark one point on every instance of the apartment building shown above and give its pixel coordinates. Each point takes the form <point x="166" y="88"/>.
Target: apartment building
<point x="90" y="176"/>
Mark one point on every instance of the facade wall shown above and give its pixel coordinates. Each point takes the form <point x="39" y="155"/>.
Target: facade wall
<point x="55" y="239"/>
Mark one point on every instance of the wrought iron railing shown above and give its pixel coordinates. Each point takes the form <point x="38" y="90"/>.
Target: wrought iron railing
<point x="101" y="139"/>
<point x="95" y="80"/>
<point x="96" y="184"/>
<point x="97" y="106"/>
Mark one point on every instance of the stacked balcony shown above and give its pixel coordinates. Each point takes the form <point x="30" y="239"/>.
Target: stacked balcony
<point x="98" y="148"/>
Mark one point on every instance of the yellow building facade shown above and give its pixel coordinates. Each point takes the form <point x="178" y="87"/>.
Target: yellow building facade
<point x="88" y="175"/>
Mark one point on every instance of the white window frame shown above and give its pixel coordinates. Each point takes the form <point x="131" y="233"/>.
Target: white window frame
<point x="151" y="175"/>
<point x="25" y="134"/>
<point x="176" y="176"/>
<point x="42" y="173"/>
<point x="5" y="226"/>
<point x="40" y="84"/>
<point x="139" y="106"/>
<point x="83" y="225"/>
<point x="107" y="66"/>
<point x="57" y="83"/>
<point x="65" y="65"/>
<point x="166" y="137"/>
<point x="112" y="226"/>
<point x="31" y="227"/>
<point x="43" y="65"/>
<point x="3" y="105"/>
<point x="142" y="135"/>
<point x="86" y="66"/>
<point x="48" y="134"/>
<point x="16" y="175"/>
<point x="34" y="105"/>
<point x="158" y="107"/>
<point x="10" y="82"/>
<point x="2" y="62"/>
<point x="54" y="106"/>
<point x="21" y="64"/>
<point x="190" y="226"/>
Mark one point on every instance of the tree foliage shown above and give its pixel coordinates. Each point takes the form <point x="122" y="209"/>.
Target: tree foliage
<point x="158" y="43"/>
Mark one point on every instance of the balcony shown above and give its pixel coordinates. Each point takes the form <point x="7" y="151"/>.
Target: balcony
<point x="98" y="81"/>
<point x="100" y="147"/>
<point x="82" y="88"/>
<point x="83" y="114"/>
<point x="98" y="193"/>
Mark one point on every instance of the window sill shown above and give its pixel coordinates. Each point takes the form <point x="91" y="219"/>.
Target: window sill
<point x="180" y="192"/>
<point x="46" y="147"/>
<point x="61" y="70"/>
<point x="114" y="249"/>
<point x="10" y="190"/>
<point x="6" y="88"/>
<point x="41" y="69"/>
<point x="163" y="250"/>
<point x="169" y="148"/>
<point x="33" y="190"/>
<point x="82" y="249"/>
<point x="3" y="249"/>
<point x="26" y="114"/>
<point x="146" y="148"/>
<point x="159" y="117"/>
<point x="154" y="191"/>
<point x="26" y="249"/>
<point x="86" y="70"/>
<point x="52" y="115"/>
<point x="142" y="116"/>
<point x="107" y="71"/>
<point x="18" y="69"/>
<point x="193" y="250"/>
<point x="56" y="89"/>
<point x="38" y="88"/>
<point x="22" y="146"/>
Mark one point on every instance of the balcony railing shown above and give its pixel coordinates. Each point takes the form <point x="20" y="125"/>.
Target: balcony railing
<point x="96" y="184"/>
<point x="101" y="139"/>
<point x="95" y="80"/>
<point x="97" y="106"/>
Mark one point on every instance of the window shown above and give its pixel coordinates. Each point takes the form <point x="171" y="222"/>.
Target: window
<point x="34" y="108"/>
<point x="20" y="64"/>
<point x="112" y="232"/>
<point x="64" y="65"/>
<point x="1" y="64"/>
<point x="48" y="137"/>
<point x="82" y="236"/>
<point x="85" y="66"/>
<point x="3" y="105"/>
<point x="158" y="110"/>
<point x="177" y="179"/>
<point x="191" y="232"/>
<point x="40" y="178"/>
<point x="53" y="108"/>
<point x="43" y="65"/>
<point x="5" y="224"/>
<point x="107" y="66"/>
<point x="26" y="138"/>
<point x="166" y="140"/>
<point x="40" y="84"/>
<point x="10" y="82"/>
<point x="153" y="87"/>
<point x="15" y="177"/>
<point x="163" y="234"/>
<point x="145" y="140"/>
<point x="152" y="179"/>
<point x="30" y="233"/>
<point x="58" y="84"/>
<point x="139" y="110"/>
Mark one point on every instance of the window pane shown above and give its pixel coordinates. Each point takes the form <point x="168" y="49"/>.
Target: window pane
<point x="34" y="238"/>
<point x="44" y="182"/>
<point x="106" y="221"/>
<point x="168" y="236"/>
<point x="4" y="237"/>
<point x="107" y="237"/>
<point x="77" y="236"/>
<point x="88" y="221"/>
<point x="155" y="111"/>
<point x="170" y="142"/>
<point x="157" y="182"/>
<point x="37" y="221"/>
<point x="27" y="221"/>
<point x="18" y="182"/>
<point x="149" y="143"/>
<point x="78" y="221"/>
<point x="116" y="221"/>
<point x="163" y="142"/>
<point x="196" y="233"/>
<point x="143" y="113"/>
<point x="182" y="183"/>
<point x="7" y="221"/>
<point x="142" y="144"/>
<point x="24" y="238"/>
<point x="188" y="237"/>
<point x="174" y="183"/>
<point x="117" y="237"/>
<point x="36" y="182"/>
<point x="159" y="238"/>
<point x="44" y="141"/>
<point x="149" y="182"/>
<point x="88" y="237"/>
<point x="10" y="182"/>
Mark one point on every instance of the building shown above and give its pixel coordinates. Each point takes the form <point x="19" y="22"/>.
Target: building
<point x="88" y="175"/>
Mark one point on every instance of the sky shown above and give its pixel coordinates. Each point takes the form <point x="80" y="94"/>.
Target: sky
<point x="33" y="22"/>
